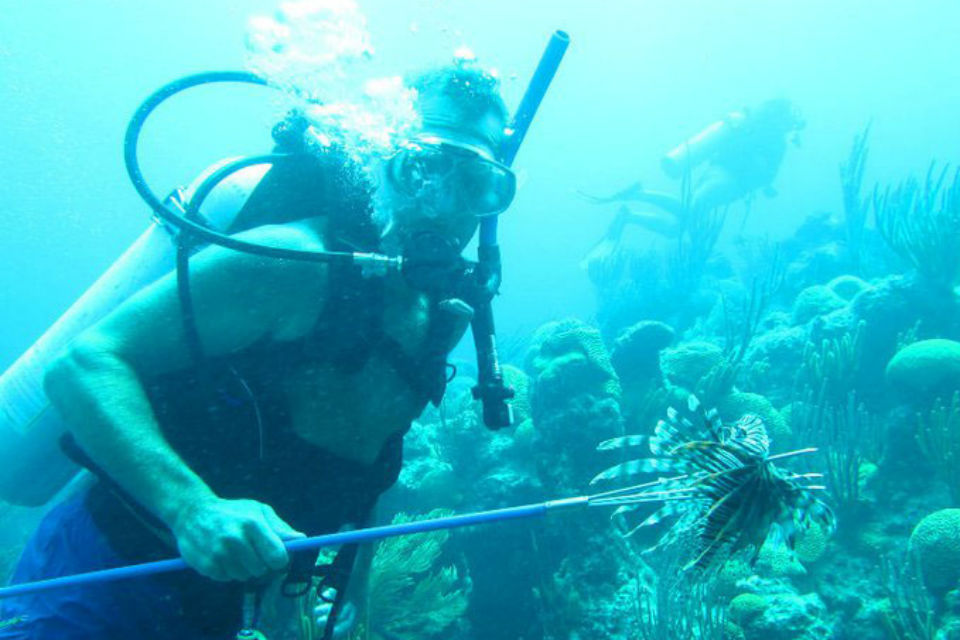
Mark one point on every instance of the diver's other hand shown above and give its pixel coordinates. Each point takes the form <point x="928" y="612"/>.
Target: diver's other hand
<point x="232" y="539"/>
<point x="346" y="619"/>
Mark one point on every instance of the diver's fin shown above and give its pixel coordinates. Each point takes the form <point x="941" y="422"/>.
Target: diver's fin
<point x="633" y="192"/>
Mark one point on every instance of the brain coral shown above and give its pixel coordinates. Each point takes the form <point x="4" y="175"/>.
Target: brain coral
<point x="935" y="545"/>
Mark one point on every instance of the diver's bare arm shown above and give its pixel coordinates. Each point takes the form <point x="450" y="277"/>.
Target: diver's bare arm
<point x="96" y="384"/>
<point x="100" y="395"/>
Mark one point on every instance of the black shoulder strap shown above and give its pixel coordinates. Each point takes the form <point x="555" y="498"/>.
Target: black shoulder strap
<point x="349" y="329"/>
<point x="425" y="373"/>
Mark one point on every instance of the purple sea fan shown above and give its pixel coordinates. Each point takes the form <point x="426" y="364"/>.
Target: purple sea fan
<point x="718" y="484"/>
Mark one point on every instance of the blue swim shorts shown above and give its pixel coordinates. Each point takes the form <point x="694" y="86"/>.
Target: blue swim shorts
<point x="68" y="541"/>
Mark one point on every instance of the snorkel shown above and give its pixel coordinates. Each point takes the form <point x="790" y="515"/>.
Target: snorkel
<point x="190" y="228"/>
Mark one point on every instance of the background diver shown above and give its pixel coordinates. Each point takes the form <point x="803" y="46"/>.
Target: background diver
<point x="729" y="160"/>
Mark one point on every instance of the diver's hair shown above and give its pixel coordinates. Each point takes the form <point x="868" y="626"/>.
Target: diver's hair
<point x="474" y="91"/>
<point x="315" y="181"/>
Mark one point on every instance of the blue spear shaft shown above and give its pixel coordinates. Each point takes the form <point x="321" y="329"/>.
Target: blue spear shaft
<point x="304" y="544"/>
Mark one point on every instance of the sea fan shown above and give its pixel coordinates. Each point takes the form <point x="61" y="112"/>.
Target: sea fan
<point x="724" y="489"/>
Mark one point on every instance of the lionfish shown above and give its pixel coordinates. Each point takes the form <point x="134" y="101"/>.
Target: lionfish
<point x="725" y="491"/>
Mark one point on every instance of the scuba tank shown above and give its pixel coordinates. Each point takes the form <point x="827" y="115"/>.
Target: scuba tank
<point x="700" y="147"/>
<point x="32" y="466"/>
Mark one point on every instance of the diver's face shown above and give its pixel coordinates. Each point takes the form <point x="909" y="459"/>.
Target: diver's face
<point x="447" y="178"/>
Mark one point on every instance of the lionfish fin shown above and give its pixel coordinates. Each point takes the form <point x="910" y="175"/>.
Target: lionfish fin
<point x="621" y="443"/>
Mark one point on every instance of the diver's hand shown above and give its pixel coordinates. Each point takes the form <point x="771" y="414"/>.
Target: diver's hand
<point x="346" y="619"/>
<point x="232" y="539"/>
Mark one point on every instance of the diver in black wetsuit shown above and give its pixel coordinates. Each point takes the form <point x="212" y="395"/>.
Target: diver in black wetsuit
<point x="293" y="420"/>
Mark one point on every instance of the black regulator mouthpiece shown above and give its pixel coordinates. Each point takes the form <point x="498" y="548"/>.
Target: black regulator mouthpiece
<point x="432" y="263"/>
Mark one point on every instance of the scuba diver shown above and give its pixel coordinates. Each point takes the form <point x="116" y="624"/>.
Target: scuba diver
<point x="728" y="161"/>
<point x="292" y="417"/>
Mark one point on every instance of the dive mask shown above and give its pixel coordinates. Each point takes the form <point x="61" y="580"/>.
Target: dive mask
<point x="452" y="177"/>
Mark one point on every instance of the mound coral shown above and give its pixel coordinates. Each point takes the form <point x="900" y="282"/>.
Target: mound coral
<point x="935" y="547"/>
<point x="815" y="301"/>
<point x="746" y="607"/>
<point x="928" y="368"/>
<point x="780" y="616"/>
<point x="687" y="364"/>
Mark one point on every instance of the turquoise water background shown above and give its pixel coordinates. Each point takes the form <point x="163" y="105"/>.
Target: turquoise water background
<point x="640" y="76"/>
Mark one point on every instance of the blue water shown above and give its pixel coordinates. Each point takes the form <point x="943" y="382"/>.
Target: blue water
<point x="639" y="78"/>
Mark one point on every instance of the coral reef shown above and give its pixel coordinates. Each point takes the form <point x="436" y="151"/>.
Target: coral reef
<point x="568" y="358"/>
<point x="822" y="342"/>
<point x="575" y="396"/>
<point x="636" y="359"/>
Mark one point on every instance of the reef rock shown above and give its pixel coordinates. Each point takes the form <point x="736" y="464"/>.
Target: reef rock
<point x="780" y="350"/>
<point x="567" y="358"/>
<point x="780" y="616"/>
<point x="847" y="287"/>
<point x="575" y="401"/>
<point x="636" y="353"/>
